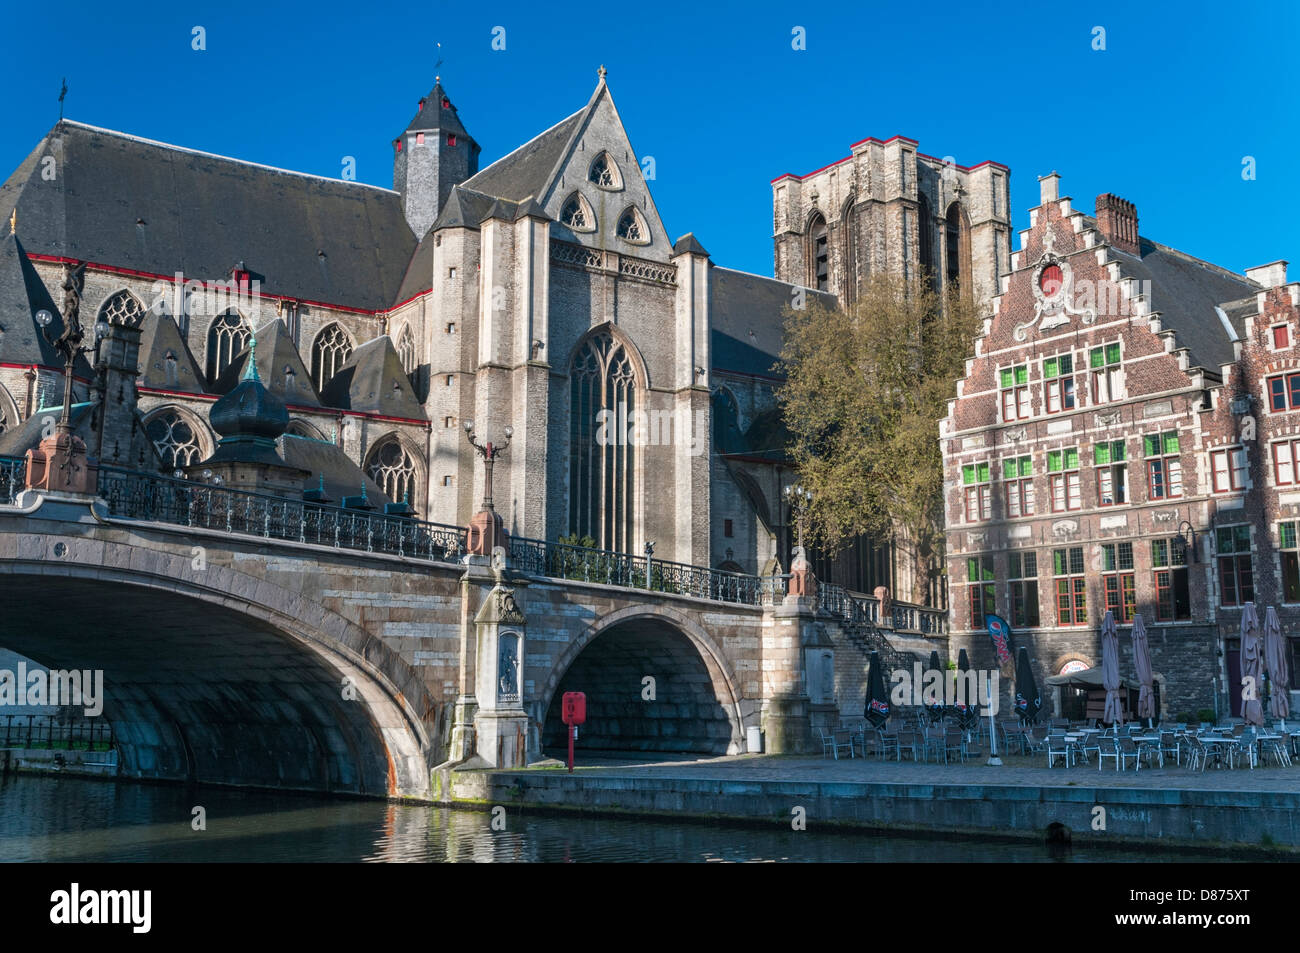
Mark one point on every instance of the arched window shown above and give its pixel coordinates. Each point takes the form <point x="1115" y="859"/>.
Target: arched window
<point x="332" y="349"/>
<point x="393" y="469"/>
<point x="602" y="459"/>
<point x="956" y="246"/>
<point x="301" y="428"/>
<point x="406" y="349"/>
<point x="8" y="410"/>
<point x="123" y="310"/>
<point x="925" y="240"/>
<point x="727" y="435"/>
<point x="175" y="438"/>
<point x="604" y="173"/>
<point x="227" y="336"/>
<point x="632" y="227"/>
<point x="577" y="214"/>
<point x="818" y="255"/>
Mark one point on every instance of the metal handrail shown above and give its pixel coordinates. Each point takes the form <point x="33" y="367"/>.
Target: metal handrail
<point x="13" y="478"/>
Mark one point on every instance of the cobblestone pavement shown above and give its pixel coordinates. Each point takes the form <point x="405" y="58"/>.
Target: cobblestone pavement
<point x="1015" y="771"/>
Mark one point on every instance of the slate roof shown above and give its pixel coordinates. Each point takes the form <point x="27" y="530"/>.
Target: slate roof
<point x="159" y="338"/>
<point x="1186" y="291"/>
<point x="16" y="441"/>
<point x="201" y="213"/>
<point x="373" y="380"/>
<point x="342" y="476"/>
<point x="433" y="115"/>
<point x="22" y="294"/>
<point x="749" y="319"/>
<point x="527" y="171"/>
<point x="275" y="353"/>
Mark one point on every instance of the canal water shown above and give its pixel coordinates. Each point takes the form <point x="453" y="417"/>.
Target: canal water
<point x="81" y="820"/>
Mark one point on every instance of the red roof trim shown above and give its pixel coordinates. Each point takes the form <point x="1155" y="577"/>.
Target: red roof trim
<point x="882" y="142"/>
<point x="115" y="270"/>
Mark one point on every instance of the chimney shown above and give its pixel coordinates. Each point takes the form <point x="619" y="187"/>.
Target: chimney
<point x="1272" y="275"/>
<point x="1117" y="220"/>
<point x="1049" y="187"/>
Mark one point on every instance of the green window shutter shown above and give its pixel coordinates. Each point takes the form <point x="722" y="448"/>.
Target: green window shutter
<point x="1224" y="541"/>
<point x="1112" y="353"/>
<point x="1108" y="558"/>
<point x="1101" y="454"/>
<point x="1159" y="553"/>
<point x="1096" y="357"/>
<point x="1243" y="538"/>
<point x="1050" y="367"/>
<point x="1067" y="363"/>
<point x="983" y="472"/>
<point x="1022" y="374"/>
<point x="968" y="474"/>
<point x="1117" y="451"/>
<point x="1058" y="562"/>
<point x="1008" y="469"/>
<point x="1286" y="533"/>
<point x="1006" y="377"/>
<point x="1150" y="445"/>
<point x="1171" y="441"/>
<point x="1053" y="461"/>
<point x="1026" y="466"/>
<point x="1072" y="458"/>
<point x="972" y="570"/>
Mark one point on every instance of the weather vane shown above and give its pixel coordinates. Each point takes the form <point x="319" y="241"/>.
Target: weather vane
<point x="437" y="78"/>
<point x="62" y="93"/>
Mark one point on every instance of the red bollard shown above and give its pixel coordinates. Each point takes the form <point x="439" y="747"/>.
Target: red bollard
<point x="573" y="712"/>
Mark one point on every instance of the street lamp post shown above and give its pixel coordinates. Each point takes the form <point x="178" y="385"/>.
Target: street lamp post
<point x="485" y="529"/>
<point x="802" y="581"/>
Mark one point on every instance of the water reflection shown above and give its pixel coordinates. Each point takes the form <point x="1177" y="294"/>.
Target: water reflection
<point x="71" y="819"/>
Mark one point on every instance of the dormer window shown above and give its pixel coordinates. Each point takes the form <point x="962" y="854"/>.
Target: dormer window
<point x="577" y="214"/>
<point x="446" y="103"/>
<point x="419" y="138"/>
<point x="604" y="172"/>
<point x="451" y="140"/>
<point x="632" y="227"/>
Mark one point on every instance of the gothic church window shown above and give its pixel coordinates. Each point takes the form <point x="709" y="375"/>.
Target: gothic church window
<point x="818" y="255"/>
<point x="604" y="173"/>
<point x="632" y="227"/>
<point x="175" y="439"/>
<point x="123" y="308"/>
<point x="393" y="469"/>
<point x="406" y="349"/>
<point x="956" y="246"/>
<point x="577" y="214"/>
<point x="227" y="336"/>
<point x="602" y="458"/>
<point x="332" y="349"/>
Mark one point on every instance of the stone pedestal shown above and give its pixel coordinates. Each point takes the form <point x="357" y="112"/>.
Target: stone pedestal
<point x="60" y="464"/>
<point x="501" y="723"/>
<point x="786" y="715"/>
<point x="486" y="532"/>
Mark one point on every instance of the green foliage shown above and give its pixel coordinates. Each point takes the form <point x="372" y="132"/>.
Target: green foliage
<point x="1183" y="718"/>
<point x="865" y="390"/>
<point x="1205" y="714"/>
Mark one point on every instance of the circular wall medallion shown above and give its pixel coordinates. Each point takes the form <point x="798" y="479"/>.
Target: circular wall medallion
<point x="60" y="550"/>
<point x="1050" y="280"/>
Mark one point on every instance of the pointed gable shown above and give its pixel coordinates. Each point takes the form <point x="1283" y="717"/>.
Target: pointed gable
<point x="373" y="381"/>
<point x="165" y="359"/>
<point x="278" y="365"/>
<point x="22" y="295"/>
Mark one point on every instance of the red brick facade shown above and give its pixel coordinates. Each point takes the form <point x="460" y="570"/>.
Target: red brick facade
<point x="1099" y="420"/>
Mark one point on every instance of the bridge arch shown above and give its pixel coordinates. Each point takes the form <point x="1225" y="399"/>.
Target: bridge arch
<point x="213" y="675"/>
<point x="696" y="704"/>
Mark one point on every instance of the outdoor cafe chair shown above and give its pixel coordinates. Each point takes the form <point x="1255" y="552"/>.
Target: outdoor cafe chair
<point x="870" y="743"/>
<point x="907" y="744"/>
<point x="1151" y="750"/>
<point x="1107" y="747"/>
<point x="954" y="741"/>
<point x="1090" y="742"/>
<point x="831" y="743"/>
<point x="889" y="742"/>
<point x="1196" y="753"/>
<point x="1169" y="745"/>
<point x="1057" y="747"/>
<point x="1128" y="748"/>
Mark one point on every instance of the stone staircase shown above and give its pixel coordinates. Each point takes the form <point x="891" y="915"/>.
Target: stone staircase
<point x="854" y="643"/>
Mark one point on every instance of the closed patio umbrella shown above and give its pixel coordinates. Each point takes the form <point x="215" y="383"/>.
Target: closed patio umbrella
<point x="1142" y="662"/>
<point x="1028" y="700"/>
<point x="1114" y="712"/>
<point x="936" y="710"/>
<point x="1252" y="666"/>
<point x="1279" y="675"/>
<point x="877" y="707"/>
<point x="968" y="709"/>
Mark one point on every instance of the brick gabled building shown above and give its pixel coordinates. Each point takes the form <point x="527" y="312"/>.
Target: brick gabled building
<point x="1126" y="436"/>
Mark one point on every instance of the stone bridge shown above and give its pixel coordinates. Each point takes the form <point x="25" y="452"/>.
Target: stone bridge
<point x="241" y="658"/>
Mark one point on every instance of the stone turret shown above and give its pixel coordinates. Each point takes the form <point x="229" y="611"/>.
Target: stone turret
<point x="432" y="154"/>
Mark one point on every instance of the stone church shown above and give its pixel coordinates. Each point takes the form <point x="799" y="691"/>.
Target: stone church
<point x="540" y="292"/>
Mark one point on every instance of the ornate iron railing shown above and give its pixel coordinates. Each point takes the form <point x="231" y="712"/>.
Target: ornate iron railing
<point x="567" y="561"/>
<point x="131" y="494"/>
<point x="13" y="478"/>
<point x="52" y="731"/>
<point x="143" y="496"/>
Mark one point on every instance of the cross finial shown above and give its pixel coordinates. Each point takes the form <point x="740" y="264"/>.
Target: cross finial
<point x="13" y="222"/>
<point x="601" y="72"/>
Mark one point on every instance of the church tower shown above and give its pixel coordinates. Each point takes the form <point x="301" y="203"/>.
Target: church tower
<point x="429" y="157"/>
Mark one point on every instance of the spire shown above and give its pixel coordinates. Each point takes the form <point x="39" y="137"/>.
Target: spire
<point x="250" y="372"/>
<point x="601" y="72"/>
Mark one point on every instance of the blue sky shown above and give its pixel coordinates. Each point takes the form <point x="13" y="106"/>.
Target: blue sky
<point x="1163" y="116"/>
